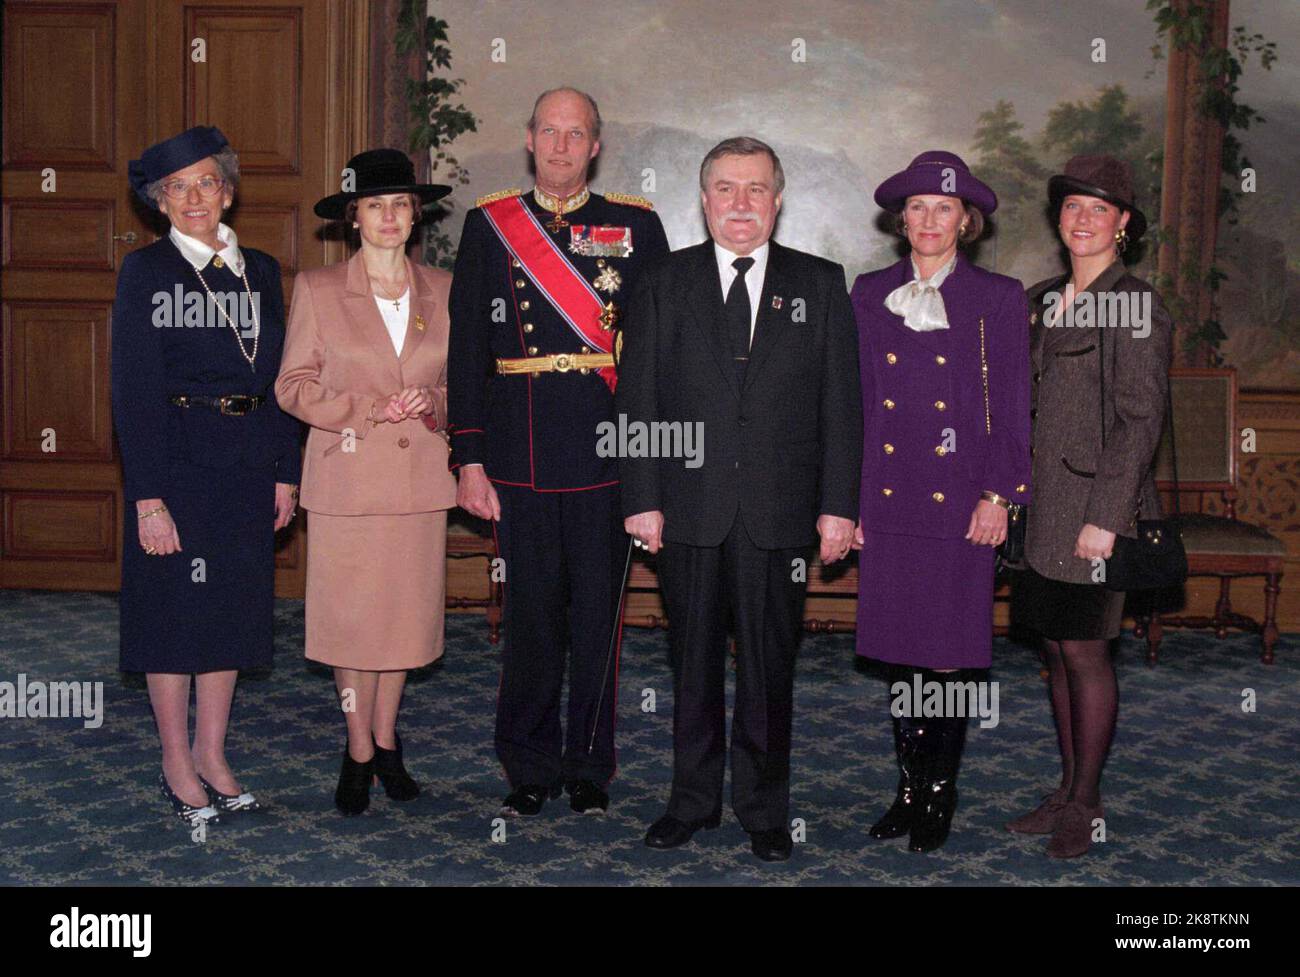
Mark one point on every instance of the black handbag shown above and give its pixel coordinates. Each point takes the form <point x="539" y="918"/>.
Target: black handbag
<point x="1155" y="559"/>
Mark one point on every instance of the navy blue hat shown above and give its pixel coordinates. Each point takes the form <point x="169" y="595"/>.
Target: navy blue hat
<point x="174" y="154"/>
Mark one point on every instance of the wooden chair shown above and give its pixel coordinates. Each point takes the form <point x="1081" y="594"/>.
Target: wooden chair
<point x="466" y="540"/>
<point x="1217" y="545"/>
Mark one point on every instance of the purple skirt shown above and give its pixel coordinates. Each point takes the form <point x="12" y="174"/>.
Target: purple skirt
<point x="925" y="602"/>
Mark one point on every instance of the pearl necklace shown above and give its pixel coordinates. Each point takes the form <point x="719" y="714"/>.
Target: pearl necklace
<point x="257" y="326"/>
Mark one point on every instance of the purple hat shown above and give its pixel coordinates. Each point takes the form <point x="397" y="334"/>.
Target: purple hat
<point x="174" y="154"/>
<point x="936" y="172"/>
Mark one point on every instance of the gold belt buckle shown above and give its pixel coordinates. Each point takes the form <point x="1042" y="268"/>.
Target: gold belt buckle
<point x="228" y="408"/>
<point x="563" y="362"/>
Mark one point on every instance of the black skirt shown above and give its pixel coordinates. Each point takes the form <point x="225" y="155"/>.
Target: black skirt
<point x="1064" y="611"/>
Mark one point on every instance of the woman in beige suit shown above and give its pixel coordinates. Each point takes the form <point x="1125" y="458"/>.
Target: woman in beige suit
<point x="365" y="365"/>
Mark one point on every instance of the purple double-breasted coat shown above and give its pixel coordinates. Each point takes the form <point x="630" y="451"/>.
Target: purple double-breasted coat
<point x="933" y="443"/>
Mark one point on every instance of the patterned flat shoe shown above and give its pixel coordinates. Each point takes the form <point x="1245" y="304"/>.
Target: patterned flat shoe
<point x="231" y="803"/>
<point x="191" y="815"/>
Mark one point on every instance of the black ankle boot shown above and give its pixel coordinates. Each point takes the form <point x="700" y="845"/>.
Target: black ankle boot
<point x="398" y="784"/>
<point x="898" y="819"/>
<point x="353" y="793"/>
<point x="937" y="794"/>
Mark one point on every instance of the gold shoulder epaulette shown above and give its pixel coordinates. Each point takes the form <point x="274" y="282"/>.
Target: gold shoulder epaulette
<point x="627" y="198"/>
<point x="488" y="198"/>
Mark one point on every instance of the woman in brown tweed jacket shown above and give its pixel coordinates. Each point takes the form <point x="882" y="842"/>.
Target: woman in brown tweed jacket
<point x="1088" y="486"/>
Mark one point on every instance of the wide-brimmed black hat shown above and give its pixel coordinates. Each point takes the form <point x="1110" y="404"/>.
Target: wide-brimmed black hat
<point x="375" y="172"/>
<point x="1104" y="177"/>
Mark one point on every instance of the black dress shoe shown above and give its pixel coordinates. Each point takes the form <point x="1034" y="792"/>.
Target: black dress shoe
<point x="527" y="801"/>
<point x="352" y="796"/>
<point x="586" y="798"/>
<point x="398" y="784"/>
<point x="771" y="845"/>
<point x="668" y="832"/>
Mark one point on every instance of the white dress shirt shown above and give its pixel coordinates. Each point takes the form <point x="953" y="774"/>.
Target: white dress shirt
<point x="753" y="277"/>
<point x="199" y="254"/>
<point x="395" y="319"/>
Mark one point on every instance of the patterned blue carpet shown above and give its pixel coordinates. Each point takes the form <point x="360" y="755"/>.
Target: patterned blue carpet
<point x="1198" y="792"/>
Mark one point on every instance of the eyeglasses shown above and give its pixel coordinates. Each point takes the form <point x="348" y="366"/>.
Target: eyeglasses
<point x="209" y="186"/>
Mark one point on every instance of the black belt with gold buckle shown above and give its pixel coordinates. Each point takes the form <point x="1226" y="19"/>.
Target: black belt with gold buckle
<point x="233" y="405"/>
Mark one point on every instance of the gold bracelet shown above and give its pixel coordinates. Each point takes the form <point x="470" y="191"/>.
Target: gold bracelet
<point x="995" y="499"/>
<point x="153" y="512"/>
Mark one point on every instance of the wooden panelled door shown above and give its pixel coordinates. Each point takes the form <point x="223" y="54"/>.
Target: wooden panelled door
<point x="87" y="86"/>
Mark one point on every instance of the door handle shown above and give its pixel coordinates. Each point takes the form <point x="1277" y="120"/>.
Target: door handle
<point x="128" y="238"/>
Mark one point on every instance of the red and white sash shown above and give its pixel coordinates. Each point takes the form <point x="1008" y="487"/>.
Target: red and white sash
<point x="551" y="271"/>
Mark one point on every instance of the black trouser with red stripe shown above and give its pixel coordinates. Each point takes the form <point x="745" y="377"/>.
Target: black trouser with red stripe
<point x="564" y="557"/>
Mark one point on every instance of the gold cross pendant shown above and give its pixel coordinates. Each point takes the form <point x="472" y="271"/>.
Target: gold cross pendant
<point x="556" y="223"/>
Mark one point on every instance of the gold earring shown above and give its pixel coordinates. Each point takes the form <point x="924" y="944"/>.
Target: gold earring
<point x="1121" y="240"/>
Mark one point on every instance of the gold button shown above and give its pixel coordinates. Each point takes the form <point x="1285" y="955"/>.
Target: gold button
<point x="218" y="262"/>
<point x="940" y="450"/>
<point x="600" y="262"/>
<point x="1020" y="488"/>
<point x="528" y="327"/>
<point x="519" y="283"/>
<point x="586" y="349"/>
<point x="891" y="358"/>
<point x="889" y="404"/>
<point x="940" y="360"/>
<point x="938" y="496"/>
<point x="885" y="491"/>
<point x="524" y="305"/>
<point x="940" y="405"/>
<point x="584" y="370"/>
<point x="514" y="263"/>
<point x="403" y="442"/>
<point x="889" y="449"/>
<point x="532" y="350"/>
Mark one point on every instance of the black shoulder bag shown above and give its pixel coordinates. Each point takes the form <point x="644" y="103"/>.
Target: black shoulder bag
<point x="1155" y="559"/>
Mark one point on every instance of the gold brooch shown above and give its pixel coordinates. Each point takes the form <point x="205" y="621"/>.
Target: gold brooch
<point x="419" y="322"/>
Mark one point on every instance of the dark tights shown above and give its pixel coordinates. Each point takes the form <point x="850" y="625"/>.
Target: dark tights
<point x="1085" y="700"/>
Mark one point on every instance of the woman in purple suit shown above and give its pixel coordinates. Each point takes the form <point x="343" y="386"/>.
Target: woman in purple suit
<point x="944" y="355"/>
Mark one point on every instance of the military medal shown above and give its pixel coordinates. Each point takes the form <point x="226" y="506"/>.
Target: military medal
<point x="559" y="207"/>
<point x="776" y="302"/>
<point x="608" y="280"/>
<point x="600" y="240"/>
<point x="608" y="316"/>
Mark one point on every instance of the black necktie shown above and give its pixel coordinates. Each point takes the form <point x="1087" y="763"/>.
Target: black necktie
<point x="736" y="312"/>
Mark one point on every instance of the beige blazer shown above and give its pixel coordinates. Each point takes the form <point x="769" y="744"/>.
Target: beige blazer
<point x="339" y="366"/>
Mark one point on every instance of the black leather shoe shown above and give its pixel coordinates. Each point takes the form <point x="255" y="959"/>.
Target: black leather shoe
<point x="242" y="802"/>
<point x="668" y="832"/>
<point x="586" y="798"/>
<point x="398" y="784"/>
<point x="771" y="845"/>
<point x="353" y="793"/>
<point x="527" y="801"/>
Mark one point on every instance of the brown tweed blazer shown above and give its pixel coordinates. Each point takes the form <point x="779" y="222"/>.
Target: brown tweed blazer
<point x="1075" y="481"/>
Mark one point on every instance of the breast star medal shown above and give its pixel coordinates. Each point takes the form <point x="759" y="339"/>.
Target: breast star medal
<point x="608" y="317"/>
<point x="608" y="280"/>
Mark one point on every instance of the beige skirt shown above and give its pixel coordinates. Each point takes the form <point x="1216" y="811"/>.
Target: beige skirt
<point x="376" y="588"/>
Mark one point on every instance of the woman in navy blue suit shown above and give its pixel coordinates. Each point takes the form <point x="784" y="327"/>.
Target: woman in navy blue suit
<point x="210" y="464"/>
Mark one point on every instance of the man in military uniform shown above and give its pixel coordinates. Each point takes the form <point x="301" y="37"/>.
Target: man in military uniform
<point x="539" y="284"/>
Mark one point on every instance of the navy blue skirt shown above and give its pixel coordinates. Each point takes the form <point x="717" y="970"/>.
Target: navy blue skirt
<point x="209" y="607"/>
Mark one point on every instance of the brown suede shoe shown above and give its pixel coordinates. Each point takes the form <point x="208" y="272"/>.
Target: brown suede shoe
<point x="1042" y="819"/>
<point x="1073" y="830"/>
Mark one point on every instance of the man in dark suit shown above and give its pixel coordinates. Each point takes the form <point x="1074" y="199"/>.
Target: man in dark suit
<point x="756" y="343"/>
<point x="540" y="282"/>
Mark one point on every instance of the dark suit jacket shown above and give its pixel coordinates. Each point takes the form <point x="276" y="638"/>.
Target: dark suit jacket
<point x="1075" y="480"/>
<point x="151" y="362"/>
<point x="782" y="451"/>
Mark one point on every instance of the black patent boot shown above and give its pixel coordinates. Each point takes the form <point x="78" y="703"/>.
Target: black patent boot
<point x="398" y="784"/>
<point x="937" y="793"/>
<point x="897" y="821"/>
